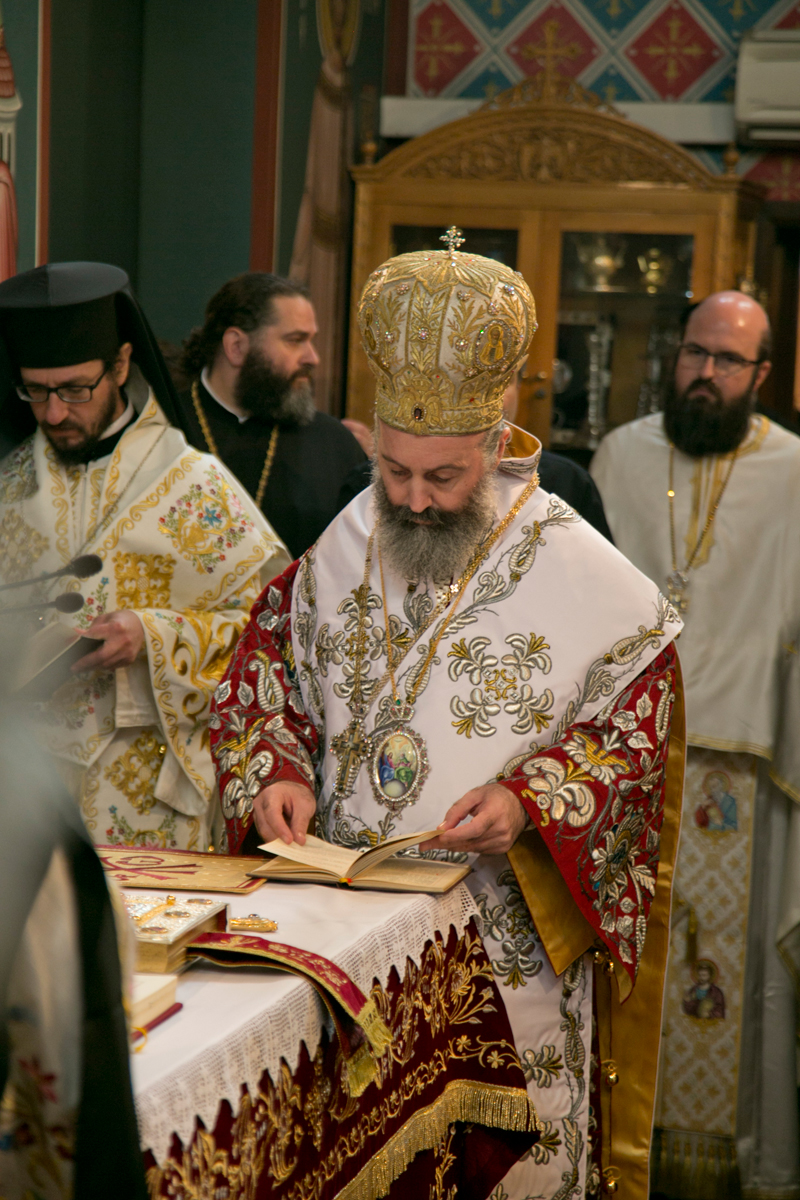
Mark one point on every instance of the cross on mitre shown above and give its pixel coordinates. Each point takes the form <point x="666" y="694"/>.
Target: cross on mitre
<point x="453" y="238"/>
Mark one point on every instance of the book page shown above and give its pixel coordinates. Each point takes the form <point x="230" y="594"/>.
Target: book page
<point x="316" y="853"/>
<point x="377" y="854"/>
<point x="414" y="875"/>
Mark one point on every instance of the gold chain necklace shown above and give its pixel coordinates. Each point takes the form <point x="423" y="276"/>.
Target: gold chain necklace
<point x="398" y="758"/>
<point x="212" y="445"/>
<point x="678" y="580"/>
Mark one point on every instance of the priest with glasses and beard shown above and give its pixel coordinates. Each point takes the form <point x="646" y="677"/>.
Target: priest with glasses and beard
<point x="461" y="651"/>
<point x="705" y="499"/>
<point x="101" y="468"/>
<point x="251" y="403"/>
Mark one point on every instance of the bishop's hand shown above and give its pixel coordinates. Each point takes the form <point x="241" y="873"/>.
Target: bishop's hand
<point x="498" y="819"/>
<point x="284" y="810"/>
<point x="122" y="639"/>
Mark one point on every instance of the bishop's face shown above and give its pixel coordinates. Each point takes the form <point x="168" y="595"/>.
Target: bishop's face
<point x="437" y="473"/>
<point x="435" y="498"/>
<point x="74" y="430"/>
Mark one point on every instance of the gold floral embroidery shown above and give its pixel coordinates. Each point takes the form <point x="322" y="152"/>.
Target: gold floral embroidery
<point x="510" y="924"/>
<point x="58" y="491"/>
<point x="447" y="992"/>
<point x="18" y="477"/>
<point x="317" y="1100"/>
<point x="165" y="701"/>
<point x="202" y="652"/>
<point x="595" y="757"/>
<point x="135" y="773"/>
<point x="20" y="547"/>
<point x="445" y="1159"/>
<point x="559" y="790"/>
<point x="542" y="1066"/>
<point x="90" y="786"/>
<point x="121" y="833"/>
<point x="498" y="683"/>
<point x="143" y="580"/>
<point x="206" y="522"/>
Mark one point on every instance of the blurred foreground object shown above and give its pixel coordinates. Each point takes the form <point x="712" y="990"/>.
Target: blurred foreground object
<point x="67" y="1121"/>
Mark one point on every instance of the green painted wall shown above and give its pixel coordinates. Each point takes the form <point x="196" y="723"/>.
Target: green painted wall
<point x="94" y="131"/>
<point x="196" y="155"/>
<point x="151" y="137"/>
<point x="21" y="19"/>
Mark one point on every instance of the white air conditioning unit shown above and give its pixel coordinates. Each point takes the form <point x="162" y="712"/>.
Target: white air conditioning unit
<point x="768" y="88"/>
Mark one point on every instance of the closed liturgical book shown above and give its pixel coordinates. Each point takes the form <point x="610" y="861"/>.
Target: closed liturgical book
<point x="48" y="657"/>
<point x="376" y="868"/>
<point x="166" y="925"/>
<point x="151" y="997"/>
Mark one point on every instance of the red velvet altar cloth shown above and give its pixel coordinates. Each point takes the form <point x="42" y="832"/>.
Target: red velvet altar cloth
<point x="449" y="1109"/>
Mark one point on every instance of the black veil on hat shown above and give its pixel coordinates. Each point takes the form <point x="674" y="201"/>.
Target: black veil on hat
<point x="66" y="313"/>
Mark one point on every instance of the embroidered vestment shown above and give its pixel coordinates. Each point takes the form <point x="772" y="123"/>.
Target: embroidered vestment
<point x="556" y="676"/>
<point x="184" y="548"/>
<point x="728" y="1087"/>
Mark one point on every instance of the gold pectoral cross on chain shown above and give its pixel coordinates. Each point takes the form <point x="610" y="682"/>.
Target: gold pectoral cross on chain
<point x="351" y="747"/>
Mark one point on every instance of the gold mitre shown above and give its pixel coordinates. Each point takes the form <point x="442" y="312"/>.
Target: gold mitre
<point x="444" y="333"/>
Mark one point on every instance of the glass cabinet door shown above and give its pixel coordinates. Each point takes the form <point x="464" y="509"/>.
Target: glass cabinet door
<point x="620" y="302"/>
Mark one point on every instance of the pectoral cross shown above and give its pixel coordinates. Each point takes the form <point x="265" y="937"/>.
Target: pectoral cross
<point x="677" y="588"/>
<point x="351" y="747"/>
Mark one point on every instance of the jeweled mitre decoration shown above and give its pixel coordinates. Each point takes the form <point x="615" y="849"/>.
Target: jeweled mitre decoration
<point x="444" y="333"/>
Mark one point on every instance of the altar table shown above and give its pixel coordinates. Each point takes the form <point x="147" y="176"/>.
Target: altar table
<point x="241" y="1094"/>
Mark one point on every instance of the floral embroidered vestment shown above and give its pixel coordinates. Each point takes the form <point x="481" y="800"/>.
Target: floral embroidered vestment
<point x="183" y="547"/>
<point x="571" y="710"/>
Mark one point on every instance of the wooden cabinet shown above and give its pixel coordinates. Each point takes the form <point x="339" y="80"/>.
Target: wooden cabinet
<point x="614" y="228"/>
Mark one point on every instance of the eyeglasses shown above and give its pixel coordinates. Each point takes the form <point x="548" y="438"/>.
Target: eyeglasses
<point x="71" y="393"/>
<point x="725" y="363"/>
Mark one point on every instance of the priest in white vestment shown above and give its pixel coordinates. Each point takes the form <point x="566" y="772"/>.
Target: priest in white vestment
<point x="460" y="644"/>
<point x="705" y="498"/>
<point x="184" y="553"/>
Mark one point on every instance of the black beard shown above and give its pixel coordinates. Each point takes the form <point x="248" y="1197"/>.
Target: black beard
<point x="699" y="425"/>
<point x="269" y="396"/>
<point x="92" y="445"/>
<point x="440" y="550"/>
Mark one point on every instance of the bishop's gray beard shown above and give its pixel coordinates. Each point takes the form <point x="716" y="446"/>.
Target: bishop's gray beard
<point x="440" y="550"/>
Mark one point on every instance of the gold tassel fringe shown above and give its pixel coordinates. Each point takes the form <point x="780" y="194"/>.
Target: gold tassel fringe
<point x="361" y="1070"/>
<point x="375" y="1028"/>
<point x="463" y="1100"/>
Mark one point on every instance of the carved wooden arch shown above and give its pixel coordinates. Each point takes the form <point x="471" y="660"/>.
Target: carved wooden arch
<point x="554" y="134"/>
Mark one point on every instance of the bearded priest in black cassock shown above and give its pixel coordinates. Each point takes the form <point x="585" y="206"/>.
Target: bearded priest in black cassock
<point x="250" y="402"/>
<point x="460" y="644"/>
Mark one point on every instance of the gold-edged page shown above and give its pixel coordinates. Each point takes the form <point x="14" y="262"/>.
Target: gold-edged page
<point x="412" y="875"/>
<point x="377" y="854"/>
<point x="317" y="854"/>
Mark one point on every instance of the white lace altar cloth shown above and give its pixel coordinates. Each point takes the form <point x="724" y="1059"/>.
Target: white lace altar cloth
<point x="236" y="1024"/>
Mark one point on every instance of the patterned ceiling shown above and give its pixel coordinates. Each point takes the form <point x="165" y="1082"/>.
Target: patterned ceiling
<point x="653" y="50"/>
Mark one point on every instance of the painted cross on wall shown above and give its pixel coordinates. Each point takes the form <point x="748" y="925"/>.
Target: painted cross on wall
<point x="651" y="50"/>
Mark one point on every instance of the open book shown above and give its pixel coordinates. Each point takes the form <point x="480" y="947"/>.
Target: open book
<point x="321" y="862"/>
